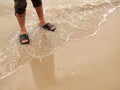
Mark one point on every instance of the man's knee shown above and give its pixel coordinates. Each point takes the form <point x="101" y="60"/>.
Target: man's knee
<point x="20" y="6"/>
<point x="20" y="15"/>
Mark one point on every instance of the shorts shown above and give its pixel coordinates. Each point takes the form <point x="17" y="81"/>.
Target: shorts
<point x="20" y="5"/>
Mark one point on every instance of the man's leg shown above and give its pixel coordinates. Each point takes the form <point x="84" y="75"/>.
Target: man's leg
<point x="21" y="21"/>
<point x="40" y="14"/>
<point x="20" y="8"/>
<point x="39" y="9"/>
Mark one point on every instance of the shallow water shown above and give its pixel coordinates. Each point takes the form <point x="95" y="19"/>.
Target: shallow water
<point x="74" y="20"/>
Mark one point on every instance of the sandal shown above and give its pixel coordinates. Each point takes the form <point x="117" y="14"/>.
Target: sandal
<point x="24" y="37"/>
<point x="48" y="26"/>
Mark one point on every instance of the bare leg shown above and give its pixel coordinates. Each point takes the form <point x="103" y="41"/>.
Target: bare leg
<point x="21" y="21"/>
<point x="40" y="14"/>
<point x="41" y="17"/>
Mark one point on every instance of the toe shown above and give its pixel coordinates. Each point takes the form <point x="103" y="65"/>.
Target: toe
<point x="24" y="41"/>
<point x="52" y="27"/>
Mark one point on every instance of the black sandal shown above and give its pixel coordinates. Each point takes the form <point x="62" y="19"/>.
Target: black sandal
<point x="24" y="37"/>
<point x="48" y="26"/>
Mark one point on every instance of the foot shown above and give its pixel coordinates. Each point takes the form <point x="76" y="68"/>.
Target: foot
<point x="23" y="39"/>
<point x="49" y="26"/>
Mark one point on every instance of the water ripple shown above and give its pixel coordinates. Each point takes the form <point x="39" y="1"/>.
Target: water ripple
<point x="73" y="23"/>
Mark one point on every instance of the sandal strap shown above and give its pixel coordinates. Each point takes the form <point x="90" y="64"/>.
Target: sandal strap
<point x="23" y="37"/>
<point x="48" y="26"/>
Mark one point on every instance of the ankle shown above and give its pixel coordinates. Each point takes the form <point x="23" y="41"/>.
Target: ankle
<point x="23" y="31"/>
<point x="42" y="22"/>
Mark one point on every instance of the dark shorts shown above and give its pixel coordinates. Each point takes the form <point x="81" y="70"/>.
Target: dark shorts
<point x="20" y="5"/>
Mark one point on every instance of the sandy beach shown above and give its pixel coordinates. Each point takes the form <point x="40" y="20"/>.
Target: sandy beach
<point x="87" y="64"/>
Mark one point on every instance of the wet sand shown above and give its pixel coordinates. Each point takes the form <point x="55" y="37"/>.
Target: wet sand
<point x="88" y="64"/>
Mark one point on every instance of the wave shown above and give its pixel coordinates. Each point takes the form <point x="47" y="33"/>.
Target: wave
<point x="74" y="22"/>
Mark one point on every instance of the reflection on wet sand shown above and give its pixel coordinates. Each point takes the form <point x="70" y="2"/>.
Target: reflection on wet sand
<point x="37" y="75"/>
<point x="43" y="72"/>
